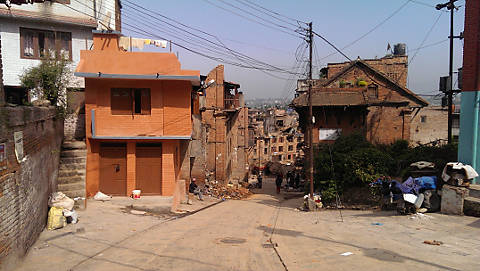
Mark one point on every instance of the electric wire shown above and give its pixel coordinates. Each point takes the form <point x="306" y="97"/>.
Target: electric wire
<point x="250" y="19"/>
<point x="221" y="45"/>
<point x="143" y="32"/>
<point x="132" y="27"/>
<point x="276" y="13"/>
<point x="256" y="16"/>
<point x="266" y="13"/>
<point x="421" y="45"/>
<point x="371" y="30"/>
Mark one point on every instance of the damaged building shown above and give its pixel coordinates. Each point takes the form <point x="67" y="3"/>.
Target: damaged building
<point x="219" y="146"/>
<point x="365" y="96"/>
<point x="274" y="137"/>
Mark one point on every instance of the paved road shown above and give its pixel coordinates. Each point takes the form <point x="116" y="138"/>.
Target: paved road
<point x="232" y="236"/>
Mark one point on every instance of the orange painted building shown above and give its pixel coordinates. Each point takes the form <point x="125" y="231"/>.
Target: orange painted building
<point x="138" y="112"/>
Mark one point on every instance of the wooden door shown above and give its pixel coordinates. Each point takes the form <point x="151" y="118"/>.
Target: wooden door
<point x="149" y="169"/>
<point x="113" y="169"/>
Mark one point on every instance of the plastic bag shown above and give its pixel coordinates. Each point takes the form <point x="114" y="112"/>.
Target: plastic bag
<point x="56" y="220"/>
<point x="72" y="214"/>
<point x="101" y="196"/>
<point x="58" y="199"/>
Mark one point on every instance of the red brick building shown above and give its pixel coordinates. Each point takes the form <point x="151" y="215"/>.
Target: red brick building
<point x="365" y="96"/>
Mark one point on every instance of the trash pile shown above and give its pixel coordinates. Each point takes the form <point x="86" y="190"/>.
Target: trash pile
<point x="423" y="193"/>
<point x="458" y="174"/>
<point x="229" y="191"/>
<point x="61" y="211"/>
<point x="415" y="194"/>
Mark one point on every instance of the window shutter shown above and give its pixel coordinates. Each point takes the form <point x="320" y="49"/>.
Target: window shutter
<point x="121" y="101"/>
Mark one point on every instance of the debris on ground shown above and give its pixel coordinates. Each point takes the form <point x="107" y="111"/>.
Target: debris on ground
<point x="56" y="220"/>
<point x="101" y="197"/>
<point x="135" y="212"/>
<point x="229" y="191"/>
<point x="420" y="216"/>
<point x="433" y="242"/>
<point x="346" y="254"/>
<point x="60" y="200"/>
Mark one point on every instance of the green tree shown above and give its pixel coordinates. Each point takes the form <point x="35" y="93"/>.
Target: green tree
<point x="49" y="81"/>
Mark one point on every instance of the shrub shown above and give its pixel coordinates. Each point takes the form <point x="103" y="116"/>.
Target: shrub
<point x="49" y="81"/>
<point x="352" y="161"/>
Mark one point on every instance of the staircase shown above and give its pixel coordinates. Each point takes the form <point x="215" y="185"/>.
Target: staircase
<point x="471" y="204"/>
<point x="71" y="175"/>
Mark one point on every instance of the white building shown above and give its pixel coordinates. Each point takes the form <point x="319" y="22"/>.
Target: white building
<point x="32" y="31"/>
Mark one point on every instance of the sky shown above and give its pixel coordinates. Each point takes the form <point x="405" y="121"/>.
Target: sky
<point x="413" y="22"/>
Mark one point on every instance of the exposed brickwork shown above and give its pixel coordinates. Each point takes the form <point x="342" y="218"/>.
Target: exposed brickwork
<point x="26" y="186"/>
<point x="382" y="124"/>
<point x="2" y="93"/>
<point x="471" y="49"/>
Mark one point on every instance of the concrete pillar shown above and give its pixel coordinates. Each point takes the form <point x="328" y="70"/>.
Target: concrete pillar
<point x="131" y="164"/>
<point x="452" y="199"/>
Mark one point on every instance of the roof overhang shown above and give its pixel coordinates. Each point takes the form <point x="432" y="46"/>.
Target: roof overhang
<point x="50" y="18"/>
<point x="195" y="80"/>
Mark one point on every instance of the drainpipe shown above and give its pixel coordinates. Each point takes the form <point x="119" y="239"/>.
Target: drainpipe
<point x="475" y="131"/>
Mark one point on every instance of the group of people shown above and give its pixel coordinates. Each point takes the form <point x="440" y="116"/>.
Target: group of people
<point x="292" y="177"/>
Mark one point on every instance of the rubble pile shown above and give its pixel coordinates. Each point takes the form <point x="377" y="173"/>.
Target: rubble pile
<point x="229" y="191"/>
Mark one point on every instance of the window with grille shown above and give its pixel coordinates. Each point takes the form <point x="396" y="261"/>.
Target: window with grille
<point x="39" y="44"/>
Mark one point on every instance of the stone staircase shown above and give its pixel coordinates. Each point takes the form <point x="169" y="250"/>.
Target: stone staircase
<point x="471" y="204"/>
<point x="71" y="175"/>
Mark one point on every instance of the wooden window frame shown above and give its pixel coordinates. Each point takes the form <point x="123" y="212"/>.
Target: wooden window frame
<point x="57" y="37"/>
<point x="145" y="106"/>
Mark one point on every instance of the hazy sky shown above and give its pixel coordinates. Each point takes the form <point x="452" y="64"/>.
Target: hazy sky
<point x="339" y="21"/>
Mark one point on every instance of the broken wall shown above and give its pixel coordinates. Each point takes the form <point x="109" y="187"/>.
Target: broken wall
<point x="26" y="185"/>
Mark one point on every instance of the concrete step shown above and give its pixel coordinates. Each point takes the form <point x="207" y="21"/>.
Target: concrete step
<point x="71" y="179"/>
<point x="72" y="166"/>
<point x="471" y="206"/>
<point x="73" y="160"/>
<point x="70" y="145"/>
<point x="74" y="153"/>
<point x="66" y="187"/>
<point x="71" y="173"/>
<point x="474" y="191"/>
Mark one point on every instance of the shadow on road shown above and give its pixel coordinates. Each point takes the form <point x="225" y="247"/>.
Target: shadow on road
<point x="376" y="253"/>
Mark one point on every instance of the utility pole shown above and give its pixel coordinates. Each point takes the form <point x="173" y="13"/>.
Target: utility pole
<point x="450" y="5"/>
<point x="310" y="110"/>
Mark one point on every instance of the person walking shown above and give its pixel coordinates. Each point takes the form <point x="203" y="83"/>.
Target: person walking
<point x="278" y="182"/>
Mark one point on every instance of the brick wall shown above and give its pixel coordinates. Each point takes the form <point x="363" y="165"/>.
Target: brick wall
<point x="26" y="186"/>
<point x="2" y="93"/>
<point x="384" y="124"/>
<point x="394" y="67"/>
<point x="471" y="49"/>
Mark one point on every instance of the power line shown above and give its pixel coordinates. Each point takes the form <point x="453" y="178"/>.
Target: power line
<point x="254" y="7"/>
<point x="276" y="13"/>
<point x="256" y="16"/>
<point x="371" y="30"/>
<point x="142" y="31"/>
<point x="421" y="44"/>
<point x="221" y="45"/>
<point x="250" y="19"/>
<point x="331" y="44"/>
